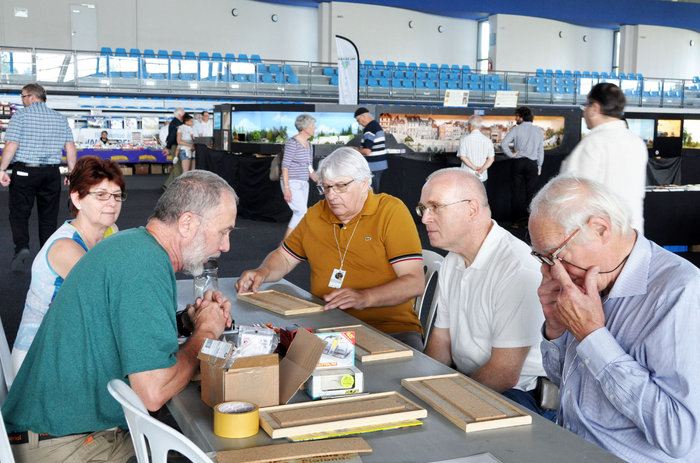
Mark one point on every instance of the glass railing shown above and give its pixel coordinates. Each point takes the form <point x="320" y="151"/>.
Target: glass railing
<point x="294" y="80"/>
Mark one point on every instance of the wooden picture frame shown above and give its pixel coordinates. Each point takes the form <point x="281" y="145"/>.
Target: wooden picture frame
<point x="280" y="303"/>
<point x="466" y="403"/>
<point x="336" y="414"/>
<point x="372" y="345"/>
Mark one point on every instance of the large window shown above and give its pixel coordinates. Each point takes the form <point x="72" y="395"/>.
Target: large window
<point x="482" y="44"/>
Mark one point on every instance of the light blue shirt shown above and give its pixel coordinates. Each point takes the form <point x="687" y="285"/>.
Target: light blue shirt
<point x="528" y="141"/>
<point x="633" y="387"/>
<point x="40" y="132"/>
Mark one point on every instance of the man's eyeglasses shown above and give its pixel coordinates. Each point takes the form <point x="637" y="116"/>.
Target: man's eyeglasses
<point x="549" y="260"/>
<point x="338" y="187"/>
<point x="104" y="196"/>
<point x="435" y="208"/>
<point x="583" y="106"/>
<point x="26" y="96"/>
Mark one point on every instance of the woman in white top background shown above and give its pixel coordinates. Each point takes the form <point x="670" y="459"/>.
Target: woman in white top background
<point x="185" y="142"/>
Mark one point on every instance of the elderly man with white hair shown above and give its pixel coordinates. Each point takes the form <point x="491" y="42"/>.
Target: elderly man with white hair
<point x="363" y="249"/>
<point x="621" y="318"/>
<point x="476" y="150"/>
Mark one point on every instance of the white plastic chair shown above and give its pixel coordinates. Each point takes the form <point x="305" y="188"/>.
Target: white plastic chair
<point x="432" y="261"/>
<point x="161" y="437"/>
<point x="6" y="455"/>
<point x="8" y="374"/>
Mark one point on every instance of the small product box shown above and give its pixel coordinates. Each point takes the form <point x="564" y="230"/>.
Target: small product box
<point x="339" y="351"/>
<point x="262" y="379"/>
<point x="335" y="382"/>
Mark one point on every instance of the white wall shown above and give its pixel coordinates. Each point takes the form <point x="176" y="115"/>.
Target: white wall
<point x="184" y="25"/>
<point x="526" y="44"/>
<point x="382" y="33"/>
<point x="656" y="51"/>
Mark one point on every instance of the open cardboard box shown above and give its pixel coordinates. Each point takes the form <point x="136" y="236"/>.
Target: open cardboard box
<point x="262" y="379"/>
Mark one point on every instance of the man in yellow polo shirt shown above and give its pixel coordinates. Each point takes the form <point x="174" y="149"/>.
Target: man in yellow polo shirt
<point x="363" y="249"/>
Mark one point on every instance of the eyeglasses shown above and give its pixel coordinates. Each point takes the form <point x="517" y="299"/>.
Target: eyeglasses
<point x="583" y="106"/>
<point x="104" y="196"/>
<point x="26" y="96"/>
<point x="421" y="209"/>
<point x="338" y="187"/>
<point x="555" y="255"/>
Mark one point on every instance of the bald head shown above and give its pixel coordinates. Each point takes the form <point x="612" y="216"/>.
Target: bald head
<point x="456" y="213"/>
<point x="461" y="183"/>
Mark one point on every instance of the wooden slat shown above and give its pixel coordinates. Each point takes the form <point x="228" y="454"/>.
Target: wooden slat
<point x="280" y="303"/>
<point x="339" y="411"/>
<point x="298" y="450"/>
<point x="469" y="414"/>
<point x="342" y="417"/>
<point x="463" y="399"/>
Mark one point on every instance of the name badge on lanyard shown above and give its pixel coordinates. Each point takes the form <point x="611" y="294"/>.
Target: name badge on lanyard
<point x="337" y="278"/>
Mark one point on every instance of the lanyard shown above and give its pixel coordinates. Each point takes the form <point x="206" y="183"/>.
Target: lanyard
<point x="342" y="257"/>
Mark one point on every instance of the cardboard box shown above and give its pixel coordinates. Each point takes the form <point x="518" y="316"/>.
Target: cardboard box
<point x="262" y="379"/>
<point x="141" y="169"/>
<point x="156" y="168"/>
<point x="127" y="170"/>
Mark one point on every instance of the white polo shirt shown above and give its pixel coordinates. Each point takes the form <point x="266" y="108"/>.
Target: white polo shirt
<point x="477" y="148"/>
<point x="492" y="303"/>
<point x="616" y="157"/>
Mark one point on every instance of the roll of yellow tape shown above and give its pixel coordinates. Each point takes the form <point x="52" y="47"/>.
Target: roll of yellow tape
<point x="236" y="419"/>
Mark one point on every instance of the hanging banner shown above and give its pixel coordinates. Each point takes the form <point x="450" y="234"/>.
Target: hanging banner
<point x="348" y="71"/>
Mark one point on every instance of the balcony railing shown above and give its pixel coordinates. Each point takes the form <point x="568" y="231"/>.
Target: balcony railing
<point x="174" y="74"/>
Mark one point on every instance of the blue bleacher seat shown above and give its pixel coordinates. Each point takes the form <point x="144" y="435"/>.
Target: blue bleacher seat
<point x="398" y="74"/>
<point x="230" y="57"/>
<point x="430" y="84"/>
<point x="334" y="80"/>
<point x="558" y="73"/>
<point x="409" y="75"/>
<point x="432" y="75"/>
<point x="396" y="83"/>
<point x="363" y="73"/>
<point x="328" y="71"/>
<point x="255" y="59"/>
<point x="443" y="83"/>
<point x="377" y="73"/>
<point x="423" y="66"/>
<point x="406" y="83"/>
<point x="293" y="79"/>
<point x="149" y="53"/>
<point x="595" y="75"/>
<point x="420" y="84"/>
<point x="604" y="75"/>
<point x="434" y="67"/>
<point x="243" y="58"/>
<point x="412" y="66"/>
<point x="368" y="64"/>
<point x="275" y="68"/>
<point x="401" y="66"/>
<point x="241" y="77"/>
<point x="639" y="76"/>
<point x="379" y="64"/>
<point x="390" y="65"/>
<point x="120" y="52"/>
<point x="466" y="68"/>
<point x="539" y="72"/>
<point x="372" y="82"/>
<point x="454" y="68"/>
<point x="548" y="72"/>
<point x="134" y="52"/>
<point x="568" y="73"/>
<point x="445" y="67"/>
<point x="586" y="74"/>
<point x="384" y="82"/>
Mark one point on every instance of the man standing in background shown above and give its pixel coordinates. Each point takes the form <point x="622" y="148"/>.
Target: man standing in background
<point x="35" y="139"/>
<point x="528" y="156"/>
<point x="476" y="151"/>
<point x="373" y="147"/>
<point x="611" y="153"/>
<point x="204" y="127"/>
<point x="171" y="147"/>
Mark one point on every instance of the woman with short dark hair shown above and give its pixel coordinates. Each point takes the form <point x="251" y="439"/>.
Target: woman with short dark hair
<point x="96" y="196"/>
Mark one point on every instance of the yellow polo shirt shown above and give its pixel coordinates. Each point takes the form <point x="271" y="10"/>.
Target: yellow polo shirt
<point x="385" y="234"/>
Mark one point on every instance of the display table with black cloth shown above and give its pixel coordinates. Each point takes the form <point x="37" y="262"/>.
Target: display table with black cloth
<point x="672" y="217"/>
<point x="260" y="198"/>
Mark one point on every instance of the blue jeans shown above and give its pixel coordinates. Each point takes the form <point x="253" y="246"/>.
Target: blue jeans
<point x="528" y="400"/>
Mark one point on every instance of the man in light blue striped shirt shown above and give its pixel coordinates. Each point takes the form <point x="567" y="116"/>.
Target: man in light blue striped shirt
<point x="35" y="139"/>
<point x="621" y="319"/>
